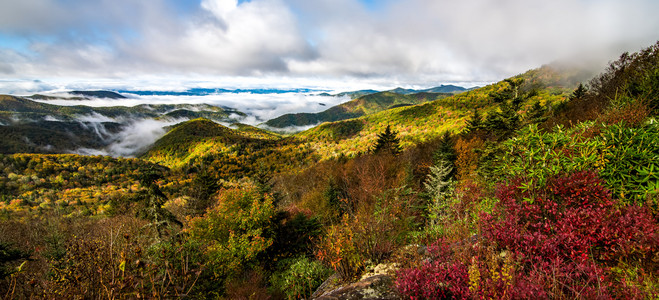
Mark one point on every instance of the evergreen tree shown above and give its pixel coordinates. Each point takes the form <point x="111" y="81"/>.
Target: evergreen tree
<point x="579" y="92"/>
<point x="439" y="187"/>
<point x="537" y="113"/>
<point x="506" y="119"/>
<point x="445" y="150"/>
<point x="388" y="142"/>
<point x="475" y="123"/>
<point x="204" y="185"/>
<point x="152" y="200"/>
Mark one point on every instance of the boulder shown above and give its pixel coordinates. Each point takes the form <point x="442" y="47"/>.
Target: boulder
<point x="373" y="287"/>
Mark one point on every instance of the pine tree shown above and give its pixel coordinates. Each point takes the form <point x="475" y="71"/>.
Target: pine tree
<point x="439" y="187"/>
<point x="387" y="142"/>
<point x="506" y="119"/>
<point x="202" y="188"/>
<point x="475" y="123"/>
<point x="537" y="113"/>
<point x="152" y="200"/>
<point x="579" y="92"/>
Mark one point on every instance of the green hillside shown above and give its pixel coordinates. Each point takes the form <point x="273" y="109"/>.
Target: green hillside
<point x="191" y="139"/>
<point x="423" y="122"/>
<point x="364" y="105"/>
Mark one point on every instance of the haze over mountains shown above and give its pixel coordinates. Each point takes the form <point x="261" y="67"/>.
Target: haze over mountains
<point x="113" y="123"/>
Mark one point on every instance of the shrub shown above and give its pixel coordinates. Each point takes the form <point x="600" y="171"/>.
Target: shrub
<point x="565" y="227"/>
<point x="338" y="250"/>
<point x="564" y="239"/>
<point x="234" y="230"/>
<point x="631" y="168"/>
<point x="443" y="278"/>
<point x="301" y="278"/>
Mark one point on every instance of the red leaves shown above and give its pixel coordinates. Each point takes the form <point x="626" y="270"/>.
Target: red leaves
<point x="572" y="216"/>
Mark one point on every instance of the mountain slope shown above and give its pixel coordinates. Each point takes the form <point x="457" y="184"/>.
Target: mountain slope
<point x="364" y="105"/>
<point x="191" y="139"/>
<point x="230" y="153"/>
<point x="450" y="89"/>
<point x="425" y="121"/>
<point x="36" y="127"/>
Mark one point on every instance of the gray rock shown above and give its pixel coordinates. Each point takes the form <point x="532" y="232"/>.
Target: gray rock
<point x="374" y="287"/>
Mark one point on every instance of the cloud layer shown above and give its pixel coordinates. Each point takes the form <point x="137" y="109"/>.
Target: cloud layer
<point x="408" y="42"/>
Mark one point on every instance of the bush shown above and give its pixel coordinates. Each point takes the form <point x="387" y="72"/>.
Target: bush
<point x="445" y="277"/>
<point x="565" y="227"/>
<point x="338" y="250"/>
<point x="301" y="278"/>
<point x="233" y="231"/>
<point x="564" y="239"/>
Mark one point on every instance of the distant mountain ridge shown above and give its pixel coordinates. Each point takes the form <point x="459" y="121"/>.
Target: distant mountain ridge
<point x="364" y="105"/>
<point x="212" y="91"/>
<point x="35" y="127"/>
<point x="99" y="94"/>
<point x="81" y="95"/>
<point x="438" y="89"/>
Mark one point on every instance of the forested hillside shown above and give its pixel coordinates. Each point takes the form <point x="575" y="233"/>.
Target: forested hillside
<point x="364" y="105"/>
<point x="543" y="185"/>
<point x="28" y="126"/>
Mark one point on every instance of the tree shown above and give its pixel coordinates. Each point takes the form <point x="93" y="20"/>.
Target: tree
<point x="537" y="113"/>
<point x="579" y="92"/>
<point x="235" y="230"/>
<point x="204" y="186"/>
<point x="387" y="142"/>
<point x="152" y="200"/>
<point x="439" y="187"/>
<point x="475" y="123"/>
<point x="506" y="119"/>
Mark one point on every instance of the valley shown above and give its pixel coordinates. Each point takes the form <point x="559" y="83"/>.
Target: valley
<point x="542" y="185"/>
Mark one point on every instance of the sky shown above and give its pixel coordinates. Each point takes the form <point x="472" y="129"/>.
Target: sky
<point x="332" y="44"/>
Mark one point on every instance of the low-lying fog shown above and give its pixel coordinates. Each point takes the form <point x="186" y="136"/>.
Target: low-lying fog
<point x="138" y="134"/>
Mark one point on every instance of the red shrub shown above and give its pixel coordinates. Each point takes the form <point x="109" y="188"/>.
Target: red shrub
<point x="573" y="217"/>
<point x="558" y="241"/>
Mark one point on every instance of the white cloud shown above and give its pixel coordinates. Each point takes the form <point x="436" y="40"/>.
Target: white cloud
<point x="137" y="136"/>
<point x="51" y="119"/>
<point x="259" y="107"/>
<point x="409" y="42"/>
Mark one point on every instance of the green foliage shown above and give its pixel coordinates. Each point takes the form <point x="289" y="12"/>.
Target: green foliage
<point x="201" y="190"/>
<point x="234" y="230"/>
<point x="579" y="92"/>
<point x="625" y="157"/>
<point x="475" y="123"/>
<point x="387" y="142"/>
<point x="8" y="257"/>
<point x="439" y="187"/>
<point x="631" y="158"/>
<point x="301" y="278"/>
<point x="538" y="155"/>
<point x="152" y="200"/>
<point x="438" y="180"/>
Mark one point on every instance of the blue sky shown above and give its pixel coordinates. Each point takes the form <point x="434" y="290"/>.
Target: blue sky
<point x="56" y="44"/>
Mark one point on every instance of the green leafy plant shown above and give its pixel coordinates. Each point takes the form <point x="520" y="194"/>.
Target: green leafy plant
<point x="301" y="278"/>
<point x="233" y="231"/>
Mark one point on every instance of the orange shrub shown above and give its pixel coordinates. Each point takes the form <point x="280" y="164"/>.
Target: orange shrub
<point x="467" y="159"/>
